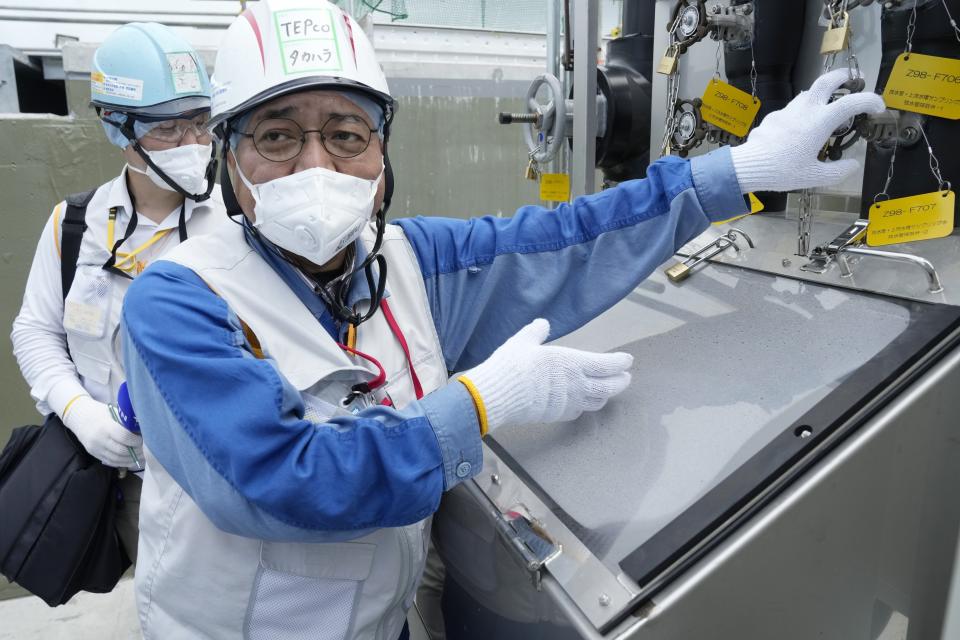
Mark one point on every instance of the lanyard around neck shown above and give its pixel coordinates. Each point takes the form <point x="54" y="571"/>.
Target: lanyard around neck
<point x="381" y="377"/>
<point x="124" y="262"/>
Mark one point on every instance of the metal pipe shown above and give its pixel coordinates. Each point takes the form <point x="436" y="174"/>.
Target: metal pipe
<point x="584" y="97"/>
<point x="570" y="610"/>
<point x="554" y="27"/>
<point x="553" y="38"/>
<point x="933" y="280"/>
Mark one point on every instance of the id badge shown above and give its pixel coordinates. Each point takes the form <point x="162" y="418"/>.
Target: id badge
<point x="86" y="319"/>
<point x="86" y="311"/>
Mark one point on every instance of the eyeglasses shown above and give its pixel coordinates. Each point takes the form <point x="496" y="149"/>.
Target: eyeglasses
<point x="282" y="139"/>
<point x="173" y="131"/>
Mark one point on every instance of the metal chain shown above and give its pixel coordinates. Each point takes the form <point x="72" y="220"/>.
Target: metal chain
<point x="942" y="185"/>
<point x="853" y="65"/>
<point x="911" y="27"/>
<point x="935" y="164"/>
<point x="953" y="23"/>
<point x="753" y="69"/>
<point x="893" y="160"/>
<point x="804" y="223"/>
<point x="673" y="90"/>
<point x="716" y="71"/>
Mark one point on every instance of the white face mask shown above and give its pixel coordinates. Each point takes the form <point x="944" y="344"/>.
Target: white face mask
<point x="313" y="213"/>
<point x="186" y="165"/>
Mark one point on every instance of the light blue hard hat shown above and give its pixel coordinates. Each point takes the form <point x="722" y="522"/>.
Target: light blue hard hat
<point x="146" y="69"/>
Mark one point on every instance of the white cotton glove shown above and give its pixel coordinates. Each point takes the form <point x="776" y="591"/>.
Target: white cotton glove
<point x="103" y="437"/>
<point x="781" y="153"/>
<point x="527" y="382"/>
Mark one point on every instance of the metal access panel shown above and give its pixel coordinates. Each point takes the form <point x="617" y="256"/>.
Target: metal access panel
<point x="781" y="466"/>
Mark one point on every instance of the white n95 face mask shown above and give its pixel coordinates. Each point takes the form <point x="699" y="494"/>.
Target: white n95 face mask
<point x="186" y="165"/>
<point x="314" y="213"/>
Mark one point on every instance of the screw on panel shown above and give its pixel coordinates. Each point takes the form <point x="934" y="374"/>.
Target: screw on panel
<point x="604" y="600"/>
<point x="494" y="478"/>
<point x="786" y="262"/>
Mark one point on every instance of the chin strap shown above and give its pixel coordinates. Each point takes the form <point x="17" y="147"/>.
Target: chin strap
<point x="127" y="130"/>
<point x="333" y="293"/>
<point x="110" y="264"/>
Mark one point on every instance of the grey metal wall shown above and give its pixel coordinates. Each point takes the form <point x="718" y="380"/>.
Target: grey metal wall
<point x="450" y="158"/>
<point x="42" y="159"/>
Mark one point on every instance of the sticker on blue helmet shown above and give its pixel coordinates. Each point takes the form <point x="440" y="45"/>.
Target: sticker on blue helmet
<point x="116" y="86"/>
<point x="184" y="71"/>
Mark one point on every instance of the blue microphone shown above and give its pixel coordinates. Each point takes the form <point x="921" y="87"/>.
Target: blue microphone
<point x="128" y="418"/>
<point x="123" y="413"/>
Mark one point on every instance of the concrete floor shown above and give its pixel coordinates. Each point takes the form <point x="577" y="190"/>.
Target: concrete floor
<point x="90" y="616"/>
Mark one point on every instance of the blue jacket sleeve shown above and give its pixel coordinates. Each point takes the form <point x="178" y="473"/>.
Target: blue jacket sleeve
<point x="487" y="277"/>
<point x="230" y="429"/>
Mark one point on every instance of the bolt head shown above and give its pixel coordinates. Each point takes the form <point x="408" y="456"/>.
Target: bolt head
<point x="494" y="478"/>
<point x="604" y="600"/>
<point x="786" y="262"/>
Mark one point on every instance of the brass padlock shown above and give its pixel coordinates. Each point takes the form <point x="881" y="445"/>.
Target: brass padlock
<point x="836" y="39"/>
<point x="668" y="63"/>
<point x="678" y="272"/>
<point x="533" y="171"/>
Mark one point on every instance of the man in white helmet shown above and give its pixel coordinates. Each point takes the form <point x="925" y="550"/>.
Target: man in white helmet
<point x="292" y="376"/>
<point x="151" y="91"/>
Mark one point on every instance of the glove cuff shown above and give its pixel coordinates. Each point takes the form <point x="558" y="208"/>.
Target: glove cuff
<point x="752" y="167"/>
<point x="478" y="404"/>
<point x="63" y="396"/>
<point x="499" y="394"/>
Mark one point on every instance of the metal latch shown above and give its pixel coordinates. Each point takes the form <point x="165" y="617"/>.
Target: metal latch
<point x="849" y="243"/>
<point x="822" y="256"/>
<point x="523" y="533"/>
<point x="682" y="270"/>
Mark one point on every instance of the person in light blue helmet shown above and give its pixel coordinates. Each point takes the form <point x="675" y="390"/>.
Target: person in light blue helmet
<point x="150" y="89"/>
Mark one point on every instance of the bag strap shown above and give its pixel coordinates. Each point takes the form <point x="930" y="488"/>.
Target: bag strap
<point x="72" y="228"/>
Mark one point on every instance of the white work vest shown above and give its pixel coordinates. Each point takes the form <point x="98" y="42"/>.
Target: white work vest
<point x="93" y="305"/>
<point x="194" y="580"/>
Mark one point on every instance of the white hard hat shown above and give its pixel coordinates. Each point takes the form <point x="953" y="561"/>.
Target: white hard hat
<point x="277" y="47"/>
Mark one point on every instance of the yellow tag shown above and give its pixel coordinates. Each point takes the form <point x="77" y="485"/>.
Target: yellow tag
<point x="755" y="206"/>
<point x="729" y="108"/>
<point x="924" y="84"/>
<point x="555" y="187"/>
<point x="922" y="217"/>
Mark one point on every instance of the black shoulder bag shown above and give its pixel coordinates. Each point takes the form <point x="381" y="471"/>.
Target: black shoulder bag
<point x="57" y="502"/>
